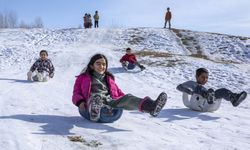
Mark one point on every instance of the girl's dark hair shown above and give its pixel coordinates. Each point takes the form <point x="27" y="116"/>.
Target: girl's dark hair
<point x="200" y="71"/>
<point x="128" y="49"/>
<point x="43" y="51"/>
<point x="89" y="70"/>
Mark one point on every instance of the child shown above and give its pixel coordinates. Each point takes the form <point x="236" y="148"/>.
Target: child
<point x="95" y="88"/>
<point x="129" y="61"/>
<point x="212" y="98"/>
<point x="96" y="18"/>
<point x="42" y="69"/>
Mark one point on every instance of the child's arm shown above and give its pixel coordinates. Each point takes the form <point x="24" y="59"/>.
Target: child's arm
<point x="77" y="97"/>
<point x="123" y="59"/>
<point x="132" y="58"/>
<point x="187" y="87"/>
<point x="34" y="66"/>
<point x="51" y="69"/>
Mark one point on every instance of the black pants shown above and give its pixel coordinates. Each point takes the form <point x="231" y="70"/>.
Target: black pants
<point x="223" y="93"/>
<point x="96" y="24"/>
<point x="169" y="24"/>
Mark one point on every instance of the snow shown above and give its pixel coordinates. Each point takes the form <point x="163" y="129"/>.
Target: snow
<point x="41" y="116"/>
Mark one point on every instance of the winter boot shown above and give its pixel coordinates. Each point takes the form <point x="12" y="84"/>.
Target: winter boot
<point x="148" y="105"/>
<point x="95" y="105"/>
<point x="236" y="99"/>
<point x="160" y="102"/>
<point x="142" y="67"/>
<point x="210" y="96"/>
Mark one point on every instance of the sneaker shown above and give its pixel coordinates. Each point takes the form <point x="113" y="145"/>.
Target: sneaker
<point x="160" y="102"/>
<point x="95" y="106"/>
<point x="238" y="98"/>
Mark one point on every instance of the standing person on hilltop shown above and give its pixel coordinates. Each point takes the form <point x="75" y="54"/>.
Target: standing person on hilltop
<point x="96" y="18"/>
<point x="95" y="88"/>
<point x="85" y="21"/>
<point x="129" y="61"/>
<point x="168" y="17"/>
<point x="89" y="21"/>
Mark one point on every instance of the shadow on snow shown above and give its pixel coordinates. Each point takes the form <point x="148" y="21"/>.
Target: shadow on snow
<point x="61" y="125"/>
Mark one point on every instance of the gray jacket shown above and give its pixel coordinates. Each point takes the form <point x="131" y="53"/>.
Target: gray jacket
<point x="196" y="101"/>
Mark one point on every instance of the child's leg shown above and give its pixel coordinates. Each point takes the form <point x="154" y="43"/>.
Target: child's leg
<point x="94" y="107"/>
<point x="223" y="93"/>
<point x="127" y="102"/>
<point x="125" y="65"/>
<point x="234" y="98"/>
<point x="131" y="66"/>
<point x="45" y="76"/>
<point x="139" y="65"/>
<point x="39" y="77"/>
<point x="130" y="102"/>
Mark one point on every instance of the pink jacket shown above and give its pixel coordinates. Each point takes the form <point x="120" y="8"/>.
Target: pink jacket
<point x="82" y="89"/>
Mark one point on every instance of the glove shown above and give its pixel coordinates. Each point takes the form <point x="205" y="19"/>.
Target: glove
<point x="82" y="106"/>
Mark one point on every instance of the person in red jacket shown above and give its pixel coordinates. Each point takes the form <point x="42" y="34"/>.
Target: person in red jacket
<point x="95" y="88"/>
<point x="168" y="17"/>
<point x="129" y="61"/>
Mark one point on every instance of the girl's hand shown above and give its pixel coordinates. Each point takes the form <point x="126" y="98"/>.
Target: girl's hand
<point x="82" y="106"/>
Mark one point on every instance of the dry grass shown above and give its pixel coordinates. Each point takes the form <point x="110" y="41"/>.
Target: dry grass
<point x="169" y="61"/>
<point x="135" y="40"/>
<point x="153" y="54"/>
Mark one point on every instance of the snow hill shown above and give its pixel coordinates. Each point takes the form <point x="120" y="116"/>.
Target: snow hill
<point x="41" y="116"/>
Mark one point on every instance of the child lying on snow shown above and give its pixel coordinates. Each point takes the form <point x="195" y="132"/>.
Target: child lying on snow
<point x="99" y="99"/>
<point x="42" y="69"/>
<point x="203" y="99"/>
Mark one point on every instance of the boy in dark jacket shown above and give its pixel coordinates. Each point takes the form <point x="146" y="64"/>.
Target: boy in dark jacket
<point x="129" y="61"/>
<point x="42" y="69"/>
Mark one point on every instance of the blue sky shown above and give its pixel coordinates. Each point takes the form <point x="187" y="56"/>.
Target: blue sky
<point x="223" y="16"/>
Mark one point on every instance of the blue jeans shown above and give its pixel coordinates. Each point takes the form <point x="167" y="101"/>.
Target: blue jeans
<point x="106" y="116"/>
<point x="131" y="66"/>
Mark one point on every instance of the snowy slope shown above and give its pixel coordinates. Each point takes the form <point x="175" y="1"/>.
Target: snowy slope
<point x="40" y="116"/>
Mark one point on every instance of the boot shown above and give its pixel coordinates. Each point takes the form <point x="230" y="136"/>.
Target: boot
<point x="94" y="107"/>
<point x="148" y="105"/>
<point x="142" y="67"/>
<point x="210" y="96"/>
<point x="154" y="107"/>
<point x="236" y="99"/>
<point x="160" y="102"/>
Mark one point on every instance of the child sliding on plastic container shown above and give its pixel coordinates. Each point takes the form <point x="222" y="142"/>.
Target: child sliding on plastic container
<point x="42" y="70"/>
<point x="203" y="99"/>
<point x="96" y="92"/>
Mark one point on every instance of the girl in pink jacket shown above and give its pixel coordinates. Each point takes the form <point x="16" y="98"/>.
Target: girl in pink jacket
<point x="99" y="98"/>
